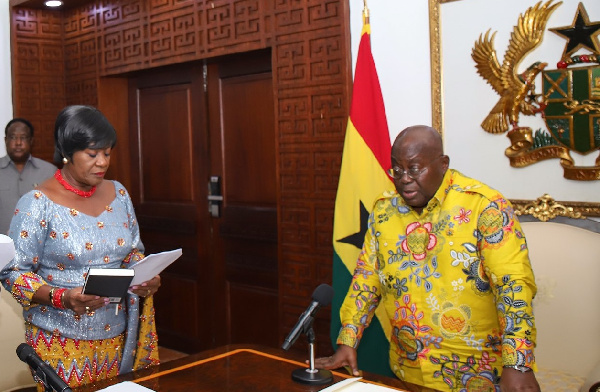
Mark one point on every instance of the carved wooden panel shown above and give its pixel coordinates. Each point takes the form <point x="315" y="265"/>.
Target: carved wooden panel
<point x="58" y="59"/>
<point x="38" y="73"/>
<point x="121" y="36"/>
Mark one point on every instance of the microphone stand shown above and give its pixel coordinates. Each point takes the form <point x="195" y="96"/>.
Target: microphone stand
<point x="40" y="375"/>
<point x="312" y="375"/>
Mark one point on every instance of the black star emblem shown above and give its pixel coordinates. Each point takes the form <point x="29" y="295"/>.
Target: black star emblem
<point x="580" y="34"/>
<point x="357" y="239"/>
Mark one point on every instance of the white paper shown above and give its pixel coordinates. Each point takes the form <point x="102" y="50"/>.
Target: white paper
<point x="7" y="250"/>
<point x="126" y="386"/>
<point x="152" y="265"/>
<point x="355" y="385"/>
<point x="340" y="384"/>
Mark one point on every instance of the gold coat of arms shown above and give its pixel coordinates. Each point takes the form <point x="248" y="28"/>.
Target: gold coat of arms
<point x="569" y="100"/>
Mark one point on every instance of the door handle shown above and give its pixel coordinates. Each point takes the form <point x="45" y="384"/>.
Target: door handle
<point x="214" y="196"/>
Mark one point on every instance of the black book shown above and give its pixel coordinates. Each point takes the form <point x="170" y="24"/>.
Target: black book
<point x="108" y="282"/>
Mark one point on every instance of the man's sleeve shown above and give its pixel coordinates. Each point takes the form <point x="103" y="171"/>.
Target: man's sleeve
<point x="363" y="295"/>
<point x="505" y="258"/>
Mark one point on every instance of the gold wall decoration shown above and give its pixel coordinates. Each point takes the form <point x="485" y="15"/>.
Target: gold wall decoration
<point x="517" y="91"/>
<point x="545" y="208"/>
<point x="569" y="101"/>
<point x="545" y="205"/>
<point x="437" y="103"/>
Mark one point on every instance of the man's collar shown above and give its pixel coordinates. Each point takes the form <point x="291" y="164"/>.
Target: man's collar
<point x="30" y="160"/>
<point x="447" y="182"/>
<point x="4" y="162"/>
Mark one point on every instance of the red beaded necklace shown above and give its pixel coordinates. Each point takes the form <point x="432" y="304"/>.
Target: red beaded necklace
<point x="69" y="187"/>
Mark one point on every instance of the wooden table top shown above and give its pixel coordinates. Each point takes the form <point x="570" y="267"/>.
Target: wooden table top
<point x="236" y="368"/>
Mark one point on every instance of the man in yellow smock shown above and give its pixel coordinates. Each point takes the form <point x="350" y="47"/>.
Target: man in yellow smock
<point x="446" y="257"/>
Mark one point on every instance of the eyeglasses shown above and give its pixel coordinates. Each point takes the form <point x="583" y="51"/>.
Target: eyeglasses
<point x="14" y="138"/>
<point x="413" y="173"/>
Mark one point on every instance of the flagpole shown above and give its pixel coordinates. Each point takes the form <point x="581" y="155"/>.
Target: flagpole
<point x="363" y="178"/>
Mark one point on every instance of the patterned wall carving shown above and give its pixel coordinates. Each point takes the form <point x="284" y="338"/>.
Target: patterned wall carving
<point x="38" y="73"/>
<point x="58" y="58"/>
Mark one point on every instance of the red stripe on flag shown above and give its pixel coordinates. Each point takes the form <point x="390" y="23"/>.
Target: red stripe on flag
<point x="367" y="110"/>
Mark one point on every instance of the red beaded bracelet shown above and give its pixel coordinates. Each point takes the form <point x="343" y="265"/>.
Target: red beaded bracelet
<point x="57" y="298"/>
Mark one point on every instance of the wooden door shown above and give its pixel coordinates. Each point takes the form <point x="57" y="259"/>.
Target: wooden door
<point x="191" y="123"/>
<point x="169" y="154"/>
<point x="243" y="137"/>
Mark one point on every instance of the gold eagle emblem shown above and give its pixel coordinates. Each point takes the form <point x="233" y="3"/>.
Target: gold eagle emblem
<point x="517" y="91"/>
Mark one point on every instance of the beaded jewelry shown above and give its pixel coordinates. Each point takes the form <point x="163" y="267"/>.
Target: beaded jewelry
<point x="69" y="187"/>
<point x="57" y="298"/>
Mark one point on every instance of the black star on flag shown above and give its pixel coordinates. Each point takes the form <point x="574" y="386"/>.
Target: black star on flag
<point x="580" y="34"/>
<point x="357" y="239"/>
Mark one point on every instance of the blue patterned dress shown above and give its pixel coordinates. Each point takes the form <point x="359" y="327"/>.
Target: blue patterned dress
<point x="56" y="245"/>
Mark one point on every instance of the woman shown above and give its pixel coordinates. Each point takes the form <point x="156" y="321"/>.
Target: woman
<point x="71" y="222"/>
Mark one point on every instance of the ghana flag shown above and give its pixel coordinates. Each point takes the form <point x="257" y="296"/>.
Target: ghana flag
<point x="363" y="176"/>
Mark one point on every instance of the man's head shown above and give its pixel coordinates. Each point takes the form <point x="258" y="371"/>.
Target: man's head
<point x="18" y="138"/>
<point x="418" y="165"/>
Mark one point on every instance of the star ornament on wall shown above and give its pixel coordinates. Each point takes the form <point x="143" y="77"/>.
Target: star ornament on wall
<point x="581" y="34"/>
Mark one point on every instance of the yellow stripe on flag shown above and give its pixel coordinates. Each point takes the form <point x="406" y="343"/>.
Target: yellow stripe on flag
<point x="361" y="179"/>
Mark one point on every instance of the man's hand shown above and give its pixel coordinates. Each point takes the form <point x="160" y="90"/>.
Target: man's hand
<point x="344" y="356"/>
<point x="513" y="380"/>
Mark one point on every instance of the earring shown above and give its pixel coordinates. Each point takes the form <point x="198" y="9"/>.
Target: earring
<point x="65" y="160"/>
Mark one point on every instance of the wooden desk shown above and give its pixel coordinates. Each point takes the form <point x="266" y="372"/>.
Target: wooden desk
<point x="235" y="368"/>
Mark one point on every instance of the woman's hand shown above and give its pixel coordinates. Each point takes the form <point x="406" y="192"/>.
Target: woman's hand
<point x="147" y="288"/>
<point x="82" y="303"/>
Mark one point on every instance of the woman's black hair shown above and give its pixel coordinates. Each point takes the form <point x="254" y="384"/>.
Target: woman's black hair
<point x="79" y="127"/>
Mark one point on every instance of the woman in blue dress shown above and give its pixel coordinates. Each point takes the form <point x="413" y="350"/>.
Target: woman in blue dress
<point x="74" y="221"/>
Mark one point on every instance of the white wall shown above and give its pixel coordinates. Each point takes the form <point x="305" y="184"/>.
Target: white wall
<point x="400" y="46"/>
<point x="6" y="108"/>
<point x="400" y="41"/>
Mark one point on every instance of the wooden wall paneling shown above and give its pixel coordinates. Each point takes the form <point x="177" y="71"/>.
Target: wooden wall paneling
<point x="312" y="78"/>
<point x="38" y="73"/>
<point x="81" y="56"/>
<point x="137" y="35"/>
<point x="113" y="103"/>
<point x="122" y="37"/>
<point x="234" y="26"/>
<point x="173" y="31"/>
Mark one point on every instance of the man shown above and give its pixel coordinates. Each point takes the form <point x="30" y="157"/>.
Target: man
<point x="446" y="257"/>
<point x="19" y="171"/>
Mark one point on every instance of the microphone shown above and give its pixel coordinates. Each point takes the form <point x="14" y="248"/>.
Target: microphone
<point x="42" y="370"/>
<point x="322" y="296"/>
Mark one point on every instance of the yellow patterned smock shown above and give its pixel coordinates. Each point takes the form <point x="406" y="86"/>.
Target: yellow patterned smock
<point x="456" y="284"/>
